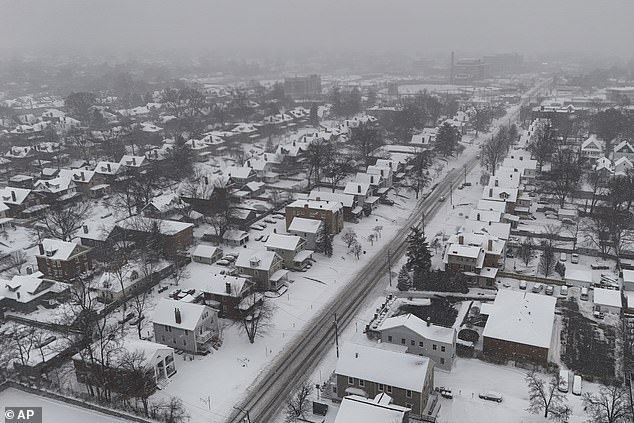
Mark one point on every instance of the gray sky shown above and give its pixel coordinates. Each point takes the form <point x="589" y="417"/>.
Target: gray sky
<point x="417" y="26"/>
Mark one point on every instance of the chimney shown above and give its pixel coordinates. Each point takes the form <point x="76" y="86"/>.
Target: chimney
<point x="134" y="161"/>
<point x="206" y="180"/>
<point x="497" y="183"/>
<point x="18" y="294"/>
<point x="177" y="316"/>
<point x="490" y="245"/>
<point x="41" y="248"/>
<point x="356" y="355"/>
<point x="228" y="287"/>
<point x="490" y="192"/>
<point x="83" y="176"/>
<point x="13" y="197"/>
<point x="428" y="322"/>
<point x="109" y="169"/>
<point x="248" y="163"/>
<point x="359" y="189"/>
<point x="85" y="229"/>
<point x="460" y="239"/>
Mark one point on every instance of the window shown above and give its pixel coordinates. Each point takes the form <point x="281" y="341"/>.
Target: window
<point x="389" y="338"/>
<point x="412" y="342"/>
<point x="403" y="341"/>
<point x="186" y="332"/>
<point x="442" y="348"/>
<point x="350" y="380"/>
<point x="163" y="338"/>
<point x="362" y="383"/>
<point x="184" y="341"/>
<point x="389" y="389"/>
<point x="381" y="387"/>
<point x="408" y="393"/>
<point x="434" y="347"/>
<point x="442" y="360"/>
<point x="408" y="405"/>
<point x="420" y="344"/>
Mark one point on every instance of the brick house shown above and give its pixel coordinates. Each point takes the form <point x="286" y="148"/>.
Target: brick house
<point x="331" y="212"/>
<point x="176" y="236"/>
<point x="369" y="371"/>
<point x="186" y="326"/>
<point x="63" y="261"/>
<point x="225" y="293"/>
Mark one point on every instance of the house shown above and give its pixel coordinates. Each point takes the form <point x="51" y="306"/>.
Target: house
<point x="18" y="200"/>
<point x="240" y="175"/>
<point x="157" y="360"/>
<point x="186" y="326"/>
<point x="207" y="254"/>
<point x="330" y="212"/>
<point x="362" y="193"/>
<point x="425" y="139"/>
<point x="164" y="206"/>
<point x="292" y="250"/>
<point x="308" y="229"/>
<point x="63" y="261"/>
<point x="226" y="293"/>
<point x="607" y="300"/>
<point x="386" y="174"/>
<point x="592" y="148"/>
<point x="133" y="162"/>
<point x="114" y="287"/>
<point x="25" y="294"/>
<point x="520" y="326"/>
<point x="628" y="280"/>
<point x="85" y="181"/>
<point x="108" y="171"/>
<point x="264" y="267"/>
<point x="58" y="190"/>
<point x="497" y="229"/>
<point x="421" y="338"/>
<point x="349" y="202"/>
<point x="368" y="371"/>
<point x="623" y="166"/>
<point x="235" y="238"/>
<point x="623" y="149"/>
<point x="254" y="188"/>
<point x="356" y="408"/>
<point x="476" y="255"/>
<point x="175" y="236"/>
<point x="506" y="195"/>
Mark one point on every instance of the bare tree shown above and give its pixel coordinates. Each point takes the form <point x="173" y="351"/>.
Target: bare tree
<point x="337" y="169"/>
<point x="349" y="236"/>
<point x="17" y="260"/>
<point x="545" y="397"/>
<point x="139" y="305"/>
<point x="62" y="222"/>
<point x="356" y="249"/>
<point x="547" y="261"/>
<point x="318" y="154"/>
<point x="256" y="320"/>
<point x="612" y="404"/>
<point x="136" y="381"/>
<point x="173" y="411"/>
<point x="378" y="229"/>
<point x="371" y="239"/>
<point x="298" y="405"/>
<point x="565" y="175"/>
<point x="179" y="268"/>
<point x="526" y="250"/>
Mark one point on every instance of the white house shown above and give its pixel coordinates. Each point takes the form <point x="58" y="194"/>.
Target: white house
<point x="623" y="149"/>
<point x="592" y="148"/>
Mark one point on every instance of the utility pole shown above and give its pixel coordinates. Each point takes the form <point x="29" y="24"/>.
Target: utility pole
<point x="389" y="265"/>
<point x="465" y="174"/>
<point x="336" y="335"/>
<point x="451" y="193"/>
<point x="423" y="222"/>
<point x="244" y="411"/>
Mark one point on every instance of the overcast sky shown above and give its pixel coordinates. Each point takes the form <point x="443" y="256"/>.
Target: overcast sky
<point x="417" y="26"/>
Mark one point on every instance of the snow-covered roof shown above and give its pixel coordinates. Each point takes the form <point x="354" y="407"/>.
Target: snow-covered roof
<point x="592" y="144"/>
<point x="607" y="297"/>
<point x="367" y="178"/>
<point x="107" y="168"/>
<point x="144" y="224"/>
<point x="491" y="205"/>
<point x="309" y="226"/>
<point x="579" y="275"/>
<point x="241" y="172"/>
<point x="485" y="215"/>
<point x="496" y="229"/>
<point x="345" y="199"/>
<point x="132" y="161"/>
<point x="420" y="327"/>
<point x="256" y="259"/>
<point x="314" y="204"/>
<point x="508" y="195"/>
<point x="165" y="314"/>
<point x="628" y="275"/>
<point x="356" y="188"/>
<point x="77" y="175"/>
<point x="382" y="365"/>
<point x="24" y="289"/>
<point x="58" y="250"/>
<point x="522" y="317"/>
<point x="55" y="185"/>
<point x="624" y="147"/>
<point x="217" y="284"/>
<point x="355" y="408"/>
<point x="468" y="251"/>
<point x="234" y="235"/>
<point x="205" y="251"/>
<point x="165" y="202"/>
<point x="7" y="194"/>
<point x="283" y="242"/>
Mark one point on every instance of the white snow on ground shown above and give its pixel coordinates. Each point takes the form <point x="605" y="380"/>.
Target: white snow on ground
<point x="53" y="410"/>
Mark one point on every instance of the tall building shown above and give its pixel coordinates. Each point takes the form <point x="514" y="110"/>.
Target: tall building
<point x="302" y="87"/>
<point x="503" y="64"/>
<point x="467" y="70"/>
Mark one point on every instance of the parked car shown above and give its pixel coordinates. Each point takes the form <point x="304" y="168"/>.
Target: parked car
<point x="270" y="220"/>
<point x="229" y="258"/>
<point x="222" y="262"/>
<point x="600" y="266"/>
<point x="386" y="201"/>
<point x="564" y="291"/>
<point x="537" y="287"/>
<point x="563" y="380"/>
<point x="549" y="290"/>
<point x="234" y="255"/>
<point x="257" y="227"/>
<point x="574" y="258"/>
<point x="523" y="285"/>
<point x="277" y="216"/>
<point x="441" y="199"/>
<point x="266" y="238"/>
<point x="259" y="237"/>
<point x="576" y="385"/>
<point x="491" y="396"/>
<point x="563" y="257"/>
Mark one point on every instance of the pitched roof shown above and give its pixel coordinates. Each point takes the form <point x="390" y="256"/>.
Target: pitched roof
<point x="204" y="250"/>
<point x="419" y="326"/>
<point x="256" y="259"/>
<point x="356" y="188"/>
<point x="7" y="194"/>
<point x="283" y="242"/>
<point x="143" y="224"/>
<point x="58" y="250"/>
<point x="624" y="147"/>
<point x="102" y="168"/>
<point x="345" y="199"/>
<point x="309" y="226"/>
<point x="164" y="313"/>
<point x="241" y="172"/>
<point x="314" y="204"/>
<point x="381" y="365"/>
<point x="355" y="408"/>
<point x="217" y="284"/>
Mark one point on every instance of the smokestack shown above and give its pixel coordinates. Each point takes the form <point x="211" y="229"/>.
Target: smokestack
<point x="228" y="287"/>
<point x="497" y="183"/>
<point x="206" y="180"/>
<point x="41" y="247"/>
<point x="177" y="316"/>
<point x="428" y="322"/>
<point x="134" y="161"/>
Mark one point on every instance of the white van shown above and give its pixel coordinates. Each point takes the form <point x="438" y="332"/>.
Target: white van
<point x="576" y="385"/>
<point x="563" y="380"/>
<point x="563" y="257"/>
<point x="584" y="294"/>
<point x="574" y="258"/>
<point x="523" y="285"/>
<point x="563" y="291"/>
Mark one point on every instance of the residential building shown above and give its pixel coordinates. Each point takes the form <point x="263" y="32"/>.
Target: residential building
<point x="330" y="212"/>
<point x="351" y="210"/>
<point x="520" y="326"/>
<point x="308" y="229"/>
<point x="356" y="408"/>
<point x="592" y="148"/>
<point x="207" y="254"/>
<point x="623" y="149"/>
<point x="186" y="326"/>
<point x="303" y="87"/>
<point x="607" y="300"/>
<point x="175" y="236"/>
<point x="506" y="195"/>
<point x="226" y="293"/>
<point x="369" y="371"/>
<point x="240" y="175"/>
<point x="264" y="267"/>
<point x="63" y="261"/>
<point x="422" y="338"/>
<point x="25" y="294"/>
<point x="19" y="200"/>
<point x="476" y="255"/>
<point x="292" y="250"/>
<point x="363" y="194"/>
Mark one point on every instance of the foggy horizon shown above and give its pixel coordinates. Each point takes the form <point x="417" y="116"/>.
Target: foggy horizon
<point x="282" y="27"/>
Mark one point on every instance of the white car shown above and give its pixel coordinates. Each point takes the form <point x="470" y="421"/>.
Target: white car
<point x="229" y="258"/>
<point x="257" y="227"/>
<point x="222" y="262"/>
<point x="270" y="220"/>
